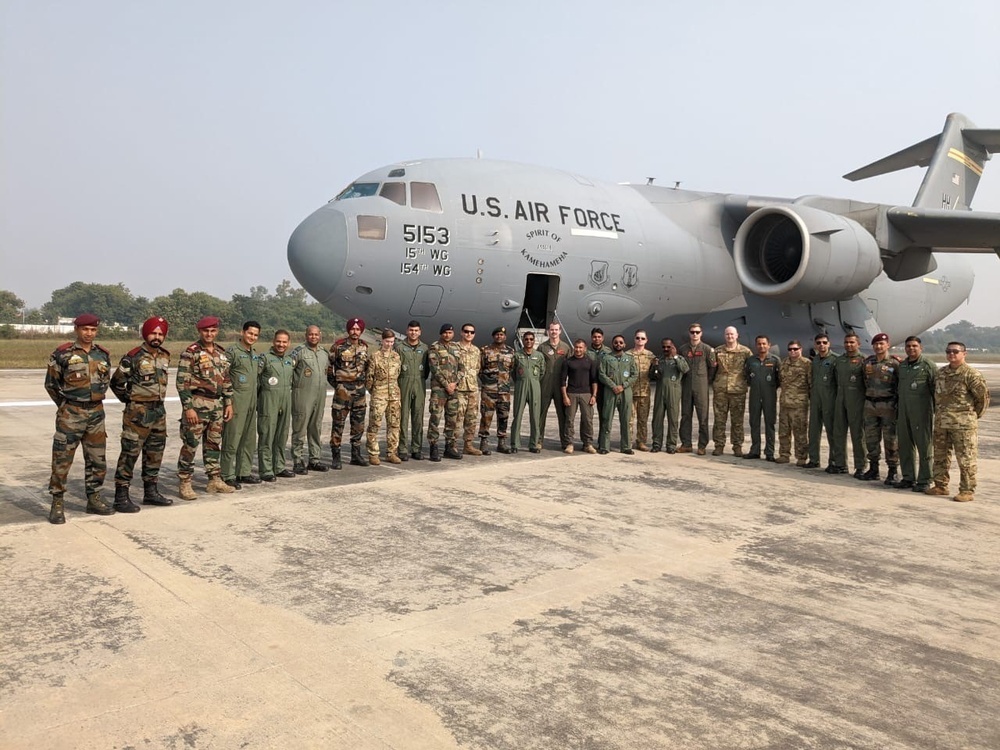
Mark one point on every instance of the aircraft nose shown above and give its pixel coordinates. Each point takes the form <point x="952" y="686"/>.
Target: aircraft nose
<point x="317" y="252"/>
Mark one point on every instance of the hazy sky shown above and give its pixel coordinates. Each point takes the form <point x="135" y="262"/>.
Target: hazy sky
<point x="178" y="144"/>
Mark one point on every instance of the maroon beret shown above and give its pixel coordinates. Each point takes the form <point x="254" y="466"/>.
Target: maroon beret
<point x="209" y="321"/>
<point x="880" y="337"/>
<point x="87" y="319"/>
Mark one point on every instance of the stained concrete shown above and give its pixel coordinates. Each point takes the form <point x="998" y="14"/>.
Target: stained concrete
<point x="526" y="601"/>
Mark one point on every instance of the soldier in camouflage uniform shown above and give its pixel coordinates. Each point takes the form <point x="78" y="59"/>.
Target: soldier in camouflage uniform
<point x="468" y="390"/>
<point x="309" y="402"/>
<point x="617" y="372"/>
<point x="206" y="399"/>
<point x="644" y="359"/>
<point x="695" y="389"/>
<point x="915" y="417"/>
<point x="412" y="392"/>
<point x="555" y="352"/>
<point x="239" y="436"/>
<point x="276" y="370"/>
<point x="960" y="399"/>
<point x="76" y="380"/>
<point x="347" y="372"/>
<point x="496" y="365"/>
<point x="446" y="369"/>
<point x="383" y="387"/>
<point x="529" y="369"/>
<point x="763" y="374"/>
<point x="793" y="405"/>
<point x="140" y="382"/>
<point x="729" y="392"/>
<point x="849" y="409"/>
<point x="822" y="400"/>
<point x="668" y="374"/>
<point x="881" y="373"/>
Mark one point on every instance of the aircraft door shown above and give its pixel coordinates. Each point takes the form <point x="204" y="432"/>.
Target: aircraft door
<point x="541" y="298"/>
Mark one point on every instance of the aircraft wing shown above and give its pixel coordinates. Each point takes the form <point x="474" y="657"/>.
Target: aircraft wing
<point x="944" y="230"/>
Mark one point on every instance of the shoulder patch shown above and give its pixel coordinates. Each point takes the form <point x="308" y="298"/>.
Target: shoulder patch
<point x="133" y="352"/>
<point x="194" y="347"/>
<point x="66" y="347"/>
<point x="164" y="351"/>
<point x="101" y="348"/>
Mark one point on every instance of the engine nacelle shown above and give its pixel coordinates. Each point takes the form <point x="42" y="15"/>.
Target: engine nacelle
<point x="802" y="254"/>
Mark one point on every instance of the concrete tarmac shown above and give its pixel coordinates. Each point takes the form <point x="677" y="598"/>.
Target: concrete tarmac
<point x="526" y="601"/>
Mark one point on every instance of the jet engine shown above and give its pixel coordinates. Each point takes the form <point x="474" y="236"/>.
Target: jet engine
<point x="802" y="254"/>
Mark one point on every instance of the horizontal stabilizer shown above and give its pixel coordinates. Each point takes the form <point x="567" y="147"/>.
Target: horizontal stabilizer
<point x="917" y="155"/>
<point x="944" y="230"/>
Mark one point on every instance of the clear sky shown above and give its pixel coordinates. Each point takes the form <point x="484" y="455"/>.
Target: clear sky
<point x="178" y="144"/>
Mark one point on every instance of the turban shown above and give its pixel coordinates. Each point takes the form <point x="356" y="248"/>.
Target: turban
<point x="152" y="324"/>
<point x="356" y="322"/>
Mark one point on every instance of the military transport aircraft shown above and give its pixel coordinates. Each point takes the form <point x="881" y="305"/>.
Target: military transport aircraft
<point x="496" y="243"/>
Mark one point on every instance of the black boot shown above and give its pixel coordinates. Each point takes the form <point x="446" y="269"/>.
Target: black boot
<point x="890" y="478"/>
<point x="123" y="503"/>
<point x="56" y="512"/>
<point x="872" y="473"/>
<point x="335" y="463"/>
<point x="484" y="446"/>
<point x="151" y="495"/>
<point x="502" y="445"/>
<point x="435" y="454"/>
<point x="357" y="457"/>
<point x="450" y="451"/>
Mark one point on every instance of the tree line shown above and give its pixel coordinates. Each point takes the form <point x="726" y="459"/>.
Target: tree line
<point x="287" y="307"/>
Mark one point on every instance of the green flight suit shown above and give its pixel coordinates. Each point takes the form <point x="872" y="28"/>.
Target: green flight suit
<point x="764" y="380"/>
<point x="239" y="435"/>
<point x="308" y="403"/>
<point x="529" y="369"/>
<point x="413" y="372"/>
<point x="668" y="375"/>
<point x="822" y="399"/>
<point x="274" y="411"/>
<point x="915" y="418"/>
<point x="617" y="370"/>
<point x="849" y="411"/>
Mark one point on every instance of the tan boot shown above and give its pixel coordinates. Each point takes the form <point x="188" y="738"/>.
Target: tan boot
<point x="186" y="491"/>
<point x="374" y="460"/>
<point x="782" y="460"/>
<point x="393" y="459"/>
<point x="937" y="489"/>
<point x="568" y="449"/>
<point x="215" y="484"/>
<point x="471" y="450"/>
<point x="964" y="497"/>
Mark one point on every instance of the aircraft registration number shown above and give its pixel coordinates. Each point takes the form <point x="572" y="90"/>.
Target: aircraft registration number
<point x="426" y="235"/>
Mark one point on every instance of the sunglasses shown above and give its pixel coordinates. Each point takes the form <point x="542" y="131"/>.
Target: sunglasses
<point x="694" y="331"/>
<point x="952" y="351"/>
<point x="794" y="348"/>
<point x="466" y="330"/>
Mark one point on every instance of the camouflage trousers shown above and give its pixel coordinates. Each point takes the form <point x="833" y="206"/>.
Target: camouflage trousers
<point x="379" y="407"/>
<point x="880" y="427"/>
<point x="640" y="418"/>
<point x="965" y="444"/>
<point x="494" y="402"/>
<point x="793" y="422"/>
<point x="442" y="403"/>
<point x="347" y="398"/>
<point x="77" y="424"/>
<point x="144" y="427"/>
<point x="468" y="408"/>
<point x="731" y="406"/>
<point x="208" y="431"/>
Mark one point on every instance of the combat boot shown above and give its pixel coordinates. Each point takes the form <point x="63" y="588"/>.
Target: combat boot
<point x="964" y="497"/>
<point x="216" y="485"/>
<point x="403" y="456"/>
<point x="300" y="468"/>
<point x="435" y="454"/>
<point x="56" y="514"/>
<point x="872" y="473"/>
<point x="484" y="446"/>
<point x="890" y="478"/>
<point x="782" y="460"/>
<point x="374" y="461"/>
<point x="123" y="502"/>
<point x="151" y="495"/>
<point x="97" y="506"/>
<point x="471" y="450"/>
<point x="502" y="446"/>
<point x="937" y="489"/>
<point x="335" y="459"/>
<point x="357" y="459"/>
<point x="394" y="459"/>
<point x="186" y="491"/>
<point x="451" y="451"/>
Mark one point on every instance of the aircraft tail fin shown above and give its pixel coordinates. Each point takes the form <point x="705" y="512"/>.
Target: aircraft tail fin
<point x="955" y="160"/>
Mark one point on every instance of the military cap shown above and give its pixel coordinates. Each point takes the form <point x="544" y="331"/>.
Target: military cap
<point x="87" y="319"/>
<point x="498" y="329"/>
<point x="880" y="337"/>
<point x="446" y="327"/>
<point x="209" y="321"/>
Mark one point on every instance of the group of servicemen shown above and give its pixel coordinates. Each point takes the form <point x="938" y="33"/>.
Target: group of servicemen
<point x="239" y="401"/>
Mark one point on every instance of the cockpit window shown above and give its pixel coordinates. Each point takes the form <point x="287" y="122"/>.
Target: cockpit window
<point x="371" y="227"/>
<point x="394" y="191"/>
<point x="358" y="190"/>
<point x="424" y="195"/>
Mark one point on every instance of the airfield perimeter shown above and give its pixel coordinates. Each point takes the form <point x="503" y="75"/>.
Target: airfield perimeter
<point x="548" y="601"/>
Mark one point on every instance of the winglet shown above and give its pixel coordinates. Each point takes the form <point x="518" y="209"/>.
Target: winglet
<point x="955" y="159"/>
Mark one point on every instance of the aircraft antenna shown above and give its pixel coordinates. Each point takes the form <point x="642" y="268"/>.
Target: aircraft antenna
<point x="677" y="184"/>
<point x="479" y="153"/>
<point x="649" y="180"/>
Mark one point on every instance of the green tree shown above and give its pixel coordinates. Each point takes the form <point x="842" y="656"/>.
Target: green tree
<point x="184" y="309"/>
<point x="114" y="303"/>
<point x="10" y="307"/>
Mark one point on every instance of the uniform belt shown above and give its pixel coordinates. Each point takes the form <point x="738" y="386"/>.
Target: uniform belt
<point x="91" y="404"/>
<point x="880" y="399"/>
<point x="150" y="402"/>
<point x="206" y="394"/>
